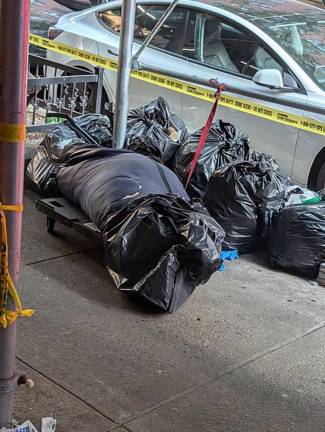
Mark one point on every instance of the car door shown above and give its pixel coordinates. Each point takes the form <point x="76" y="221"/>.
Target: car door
<point x="220" y="48"/>
<point x="162" y="52"/>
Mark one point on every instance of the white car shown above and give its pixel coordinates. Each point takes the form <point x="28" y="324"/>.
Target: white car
<point x="271" y="53"/>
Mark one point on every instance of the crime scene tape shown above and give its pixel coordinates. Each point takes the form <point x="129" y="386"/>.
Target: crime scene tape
<point x="7" y="286"/>
<point x="229" y="101"/>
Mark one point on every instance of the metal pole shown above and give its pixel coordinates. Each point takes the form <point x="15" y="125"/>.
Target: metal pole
<point x="14" y="24"/>
<point x="124" y="71"/>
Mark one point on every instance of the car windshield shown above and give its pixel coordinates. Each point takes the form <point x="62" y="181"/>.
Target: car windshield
<point x="304" y="41"/>
<point x="296" y="27"/>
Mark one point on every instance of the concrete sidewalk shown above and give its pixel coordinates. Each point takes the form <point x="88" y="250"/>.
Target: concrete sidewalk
<point x="245" y="353"/>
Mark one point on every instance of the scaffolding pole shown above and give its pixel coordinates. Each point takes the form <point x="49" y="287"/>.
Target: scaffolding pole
<point x="124" y="71"/>
<point x="14" y="24"/>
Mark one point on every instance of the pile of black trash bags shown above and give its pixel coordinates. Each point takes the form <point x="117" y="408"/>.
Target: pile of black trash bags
<point x="257" y="206"/>
<point x="161" y="240"/>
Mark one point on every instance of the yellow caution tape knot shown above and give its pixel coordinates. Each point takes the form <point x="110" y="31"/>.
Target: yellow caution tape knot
<point x="7" y="286"/>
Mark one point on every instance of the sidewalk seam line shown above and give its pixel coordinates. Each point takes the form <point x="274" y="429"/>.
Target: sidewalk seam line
<point x="59" y="256"/>
<point x="120" y="426"/>
<point x="68" y="391"/>
<point x="235" y="368"/>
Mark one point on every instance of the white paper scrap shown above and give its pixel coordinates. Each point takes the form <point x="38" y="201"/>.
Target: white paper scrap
<point x="25" y="427"/>
<point x="48" y="424"/>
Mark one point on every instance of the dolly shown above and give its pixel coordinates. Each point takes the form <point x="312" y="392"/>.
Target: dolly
<point x="61" y="210"/>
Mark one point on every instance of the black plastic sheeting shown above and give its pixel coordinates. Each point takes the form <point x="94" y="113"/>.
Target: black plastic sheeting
<point x="270" y="209"/>
<point x="239" y="195"/>
<point x="158" y="244"/>
<point x="155" y="131"/>
<point x="160" y="247"/>
<point x="224" y="144"/>
<point x="298" y="241"/>
<point x="147" y="146"/>
<point x="102" y="181"/>
<point x="51" y="153"/>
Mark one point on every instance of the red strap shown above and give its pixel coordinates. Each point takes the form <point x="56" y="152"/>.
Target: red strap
<point x="205" y="133"/>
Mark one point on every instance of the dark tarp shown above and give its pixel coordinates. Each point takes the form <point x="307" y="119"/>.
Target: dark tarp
<point x="102" y="181"/>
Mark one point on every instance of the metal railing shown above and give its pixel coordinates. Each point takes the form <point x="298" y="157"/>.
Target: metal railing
<point x="57" y="88"/>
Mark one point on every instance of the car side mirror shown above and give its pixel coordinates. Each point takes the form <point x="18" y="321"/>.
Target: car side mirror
<point x="271" y="78"/>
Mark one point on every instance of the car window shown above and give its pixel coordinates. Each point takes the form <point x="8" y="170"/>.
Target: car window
<point x="226" y="46"/>
<point x="304" y="39"/>
<point x="111" y="19"/>
<point x="171" y="35"/>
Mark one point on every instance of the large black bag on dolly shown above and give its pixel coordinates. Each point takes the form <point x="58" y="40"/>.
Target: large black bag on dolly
<point x="235" y="195"/>
<point x="51" y="153"/>
<point x="224" y="144"/>
<point x="157" y="244"/>
<point x="160" y="247"/>
<point x="153" y="130"/>
<point x="298" y="241"/>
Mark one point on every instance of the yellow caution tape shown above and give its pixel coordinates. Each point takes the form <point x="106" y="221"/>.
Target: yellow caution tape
<point x="52" y="45"/>
<point x="7" y="286"/>
<point x="12" y="132"/>
<point x="229" y="101"/>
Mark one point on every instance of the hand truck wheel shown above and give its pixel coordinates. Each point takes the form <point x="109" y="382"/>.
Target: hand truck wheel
<point x="50" y="223"/>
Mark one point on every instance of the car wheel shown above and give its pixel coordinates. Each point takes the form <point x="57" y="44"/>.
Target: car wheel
<point x="320" y="184"/>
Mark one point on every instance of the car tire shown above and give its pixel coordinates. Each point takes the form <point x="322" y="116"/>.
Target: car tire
<point x="320" y="183"/>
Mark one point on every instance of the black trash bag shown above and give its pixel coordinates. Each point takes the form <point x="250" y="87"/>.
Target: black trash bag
<point x="97" y="126"/>
<point x="292" y="194"/>
<point x="272" y="205"/>
<point x="224" y="144"/>
<point x="298" y="241"/>
<point x="147" y="146"/>
<point x="155" y="124"/>
<point x="235" y="197"/>
<point x="272" y="201"/>
<point x="157" y="244"/>
<point x="42" y="169"/>
<point x="160" y="247"/>
<point x="266" y="159"/>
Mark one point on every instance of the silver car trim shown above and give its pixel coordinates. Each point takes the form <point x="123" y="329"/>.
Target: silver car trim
<point x="248" y="93"/>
